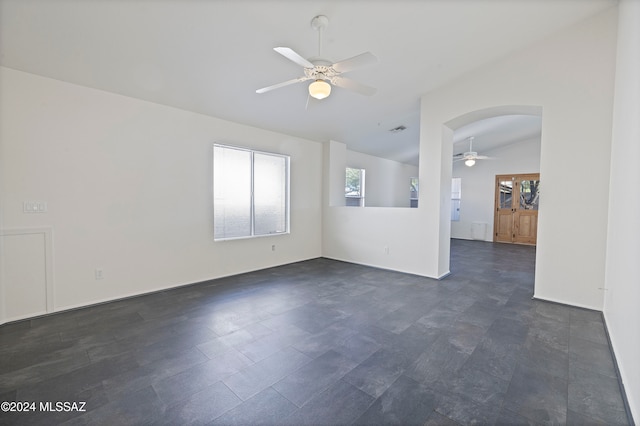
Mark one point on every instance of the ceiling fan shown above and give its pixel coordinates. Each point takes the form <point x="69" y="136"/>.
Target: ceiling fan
<point x="323" y="72"/>
<point x="470" y="156"/>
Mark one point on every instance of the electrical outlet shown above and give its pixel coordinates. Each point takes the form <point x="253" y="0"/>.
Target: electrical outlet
<point x="273" y="247"/>
<point x="99" y="274"/>
<point x="386" y="249"/>
<point x="34" y="206"/>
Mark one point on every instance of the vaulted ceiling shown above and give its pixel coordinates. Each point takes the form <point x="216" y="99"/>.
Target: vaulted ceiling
<point x="210" y="56"/>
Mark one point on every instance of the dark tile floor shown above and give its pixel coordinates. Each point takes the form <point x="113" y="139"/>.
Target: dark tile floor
<point x="323" y="342"/>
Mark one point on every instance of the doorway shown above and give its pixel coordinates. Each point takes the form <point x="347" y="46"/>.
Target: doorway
<point x="517" y="199"/>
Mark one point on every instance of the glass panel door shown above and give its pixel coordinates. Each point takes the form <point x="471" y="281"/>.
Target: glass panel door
<point x="516" y="208"/>
<point x="505" y="188"/>
<point x="529" y="194"/>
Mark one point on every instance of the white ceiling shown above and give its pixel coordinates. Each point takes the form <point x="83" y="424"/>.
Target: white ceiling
<point x="496" y="132"/>
<point x="211" y="56"/>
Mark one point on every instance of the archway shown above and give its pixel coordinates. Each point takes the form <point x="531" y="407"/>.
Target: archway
<point x="517" y="151"/>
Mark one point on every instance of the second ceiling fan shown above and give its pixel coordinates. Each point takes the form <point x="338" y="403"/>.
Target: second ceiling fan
<point x="323" y="72"/>
<point x="470" y="156"/>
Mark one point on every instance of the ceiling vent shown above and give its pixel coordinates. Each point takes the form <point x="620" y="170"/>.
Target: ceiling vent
<point x="398" y="129"/>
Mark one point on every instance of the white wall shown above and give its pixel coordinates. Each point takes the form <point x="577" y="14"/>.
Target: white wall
<point x="129" y="189"/>
<point x="570" y="77"/>
<point x="623" y="244"/>
<point x="478" y="191"/>
<point x="376" y="236"/>
<point x="2" y="251"/>
<point x="386" y="181"/>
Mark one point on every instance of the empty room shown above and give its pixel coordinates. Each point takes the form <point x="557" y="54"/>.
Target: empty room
<point x="319" y="212"/>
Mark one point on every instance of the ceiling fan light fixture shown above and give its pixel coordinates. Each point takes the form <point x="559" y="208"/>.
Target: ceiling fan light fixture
<point x="469" y="162"/>
<point x="319" y="89"/>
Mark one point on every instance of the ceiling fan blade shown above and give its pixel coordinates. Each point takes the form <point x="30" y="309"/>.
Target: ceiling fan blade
<point x="279" y="85"/>
<point x="483" y="157"/>
<point x="293" y="56"/>
<point x="358" y="61"/>
<point x="347" y="83"/>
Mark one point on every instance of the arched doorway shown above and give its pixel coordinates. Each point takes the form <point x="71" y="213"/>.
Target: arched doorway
<point x="510" y="136"/>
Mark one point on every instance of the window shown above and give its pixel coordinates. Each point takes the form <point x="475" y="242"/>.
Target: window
<point x="250" y="193"/>
<point x="354" y="187"/>
<point x="413" y="192"/>
<point x="456" y="195"/>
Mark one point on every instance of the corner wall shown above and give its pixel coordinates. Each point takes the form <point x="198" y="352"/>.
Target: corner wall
<point x="623" y="245"/>
<point x="570" y="76"/>
<point x="376" y="236"/>
<point x="386" y="181"/>
<point x="128" y="186"/>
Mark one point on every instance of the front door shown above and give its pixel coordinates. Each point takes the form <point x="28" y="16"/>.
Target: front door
<point x="516" y="203"/>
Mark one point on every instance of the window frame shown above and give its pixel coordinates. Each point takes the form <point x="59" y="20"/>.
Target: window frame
<point x="455" y="214"/>
<point x="287" y="190"/>
<point x="361" y="193"/>
<point x="414" y="183"/>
